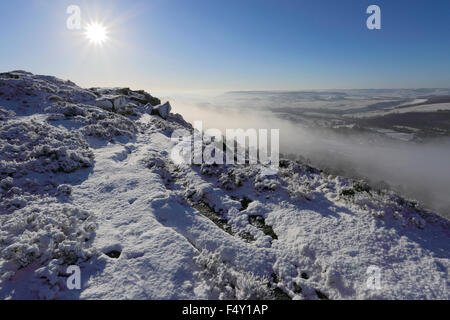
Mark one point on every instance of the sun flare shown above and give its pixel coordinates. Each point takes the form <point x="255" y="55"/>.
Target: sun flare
<point x="96" y="33"/>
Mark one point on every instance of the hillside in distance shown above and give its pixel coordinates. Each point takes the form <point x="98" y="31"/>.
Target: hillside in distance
<point x="86" y="179"/>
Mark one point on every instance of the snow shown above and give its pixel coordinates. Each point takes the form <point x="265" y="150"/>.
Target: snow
<point x="401" y="109"/>
<point x="86" y="184"/>
<point x="424" y="108"/>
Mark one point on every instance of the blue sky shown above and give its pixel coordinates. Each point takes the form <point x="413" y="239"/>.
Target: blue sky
<point x="201" y="45"/>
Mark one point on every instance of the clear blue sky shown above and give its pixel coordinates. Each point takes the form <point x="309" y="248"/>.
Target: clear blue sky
<point x="184" y="45"/>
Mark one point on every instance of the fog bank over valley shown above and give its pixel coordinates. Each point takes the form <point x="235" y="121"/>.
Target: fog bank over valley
<point x="398" y="138"/>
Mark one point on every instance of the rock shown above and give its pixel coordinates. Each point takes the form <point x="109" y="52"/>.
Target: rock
<point x="128" y="109"/>
<point x="162" y="110"/>
<point x="119" y="102"/>
<point x="104" y="104"/>
<point x="64" y="189"/>
<point x="148" y="108"/>
<point x="124" y="91"/>
<point x="111" y="102"/>
<point x="143" y="97"/>
<point x="54" y="98"/>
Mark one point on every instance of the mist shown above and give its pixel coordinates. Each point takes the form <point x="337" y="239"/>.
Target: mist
<point x="416" y="171"/>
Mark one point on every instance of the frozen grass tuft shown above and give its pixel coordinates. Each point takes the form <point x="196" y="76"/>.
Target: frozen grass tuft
<point x="226" y="283"/>
<point x="48" y="234"/>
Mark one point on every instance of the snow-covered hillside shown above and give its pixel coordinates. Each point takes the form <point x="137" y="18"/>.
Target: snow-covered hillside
<point x="86" y="179"/>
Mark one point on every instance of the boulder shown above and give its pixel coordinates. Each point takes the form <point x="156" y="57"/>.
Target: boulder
<point x="119" y="102"/>
<point x="143" y="97"/>
<point x="128" y="109"/>
<point x="148" y="108"/>
<point x="104" y="104"/>
<point x="162" y="110"/>
<point x="111" y="102"/>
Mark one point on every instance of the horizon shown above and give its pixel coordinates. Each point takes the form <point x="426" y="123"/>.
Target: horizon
<point x="214" y="92"/>
<point x="209" y="46"/>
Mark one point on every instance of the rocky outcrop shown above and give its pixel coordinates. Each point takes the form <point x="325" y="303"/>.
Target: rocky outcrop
<point x="162" y="110"/>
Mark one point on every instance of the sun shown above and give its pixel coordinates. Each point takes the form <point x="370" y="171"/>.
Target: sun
<point x="96" y="33"/>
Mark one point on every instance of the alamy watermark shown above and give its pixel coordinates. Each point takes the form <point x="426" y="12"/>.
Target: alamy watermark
<point x="374" y="278"/>
<point x="237" y="146"/>
<point x="74" y="280"/>
<point x="73" y="22"/>
<point x="374" y="20"/>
